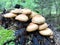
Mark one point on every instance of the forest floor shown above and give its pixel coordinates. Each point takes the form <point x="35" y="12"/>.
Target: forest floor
<point x="56" y="32"/>
<point x="56" y="36"/>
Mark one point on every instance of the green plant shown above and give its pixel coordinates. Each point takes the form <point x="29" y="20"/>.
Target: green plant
<point x="8" y="4"/>
<point x="11" y="43"/>
<point x="29" y="4"/>
<point x="6" y="35"/>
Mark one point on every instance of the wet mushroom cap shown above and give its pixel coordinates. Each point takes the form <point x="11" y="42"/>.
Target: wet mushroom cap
<point x="32" y="27"/>
<point x="33" y="14"/>
<point x="9" y="15"/>
<point x="26" y="11"/>
<point x="22" y="17"/>
<point x="43" y="26"/>
<point x="46" y="32"/>
<point x="16" y="11"/>
<point x="38" y="19"/>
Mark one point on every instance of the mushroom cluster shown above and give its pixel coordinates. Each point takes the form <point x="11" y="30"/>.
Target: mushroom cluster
<point x="37" y="21"/>
<point x="28" y="26"/>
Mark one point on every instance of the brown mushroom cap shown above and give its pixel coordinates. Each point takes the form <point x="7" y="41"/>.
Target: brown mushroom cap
<point x="38" y="19"/>
<point x="16" y="11"/>
<point x="22" y="17"/>
<point x="43" y="26"/>
<point x="33" y="14"/>
<point x="9" y="15"/>
<point x="46" y="32"/>
<point x="32" y="27"/>
<point x="26" y="11"/>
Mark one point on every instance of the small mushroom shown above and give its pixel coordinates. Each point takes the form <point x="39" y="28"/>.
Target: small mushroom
<point x="26" y="11"/>
<point x="46" y="32"/>
<point x="51" y="37"/>
<point x="16" y="11"/>
<point x="32" y="27"/>
<point x="22" y="17"/>
<point x="38" y="19"/>
<point x="9" y="15"/>
<point x="33" y="14"/>
<point x="43" y="26"/>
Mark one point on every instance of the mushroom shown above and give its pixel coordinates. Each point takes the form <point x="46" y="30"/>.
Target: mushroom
<point x="38" y="19"/>
<point x="33" y="14"/>
<point x="51" y="37"/>
<point x="16" y="11"/>
<point x="43" y="26"/>
<point x="9" y="15"/>
<point x="22" y="17"/>
<point x="26" y="11"/>
<point x="32" y="27"/>
<point x="46" y="32"/>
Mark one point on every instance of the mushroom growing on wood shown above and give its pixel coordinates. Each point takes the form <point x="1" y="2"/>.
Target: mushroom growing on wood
<point x="46" y="32"/>
<point x="9" y="15"/>
<point x="43" y="26"/>
<point x="22" y="17"/>
<point x="26" y="11"/>
<point x="33" y="14"/>
<point x="51" y="37"/>
<point x="16" y="11"/>
<point x="38" y="19"/>
<point x="32" y="27"/>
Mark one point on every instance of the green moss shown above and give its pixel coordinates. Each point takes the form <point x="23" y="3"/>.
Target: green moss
<point x="6" y="35"/>
<point x="12" y="43"/>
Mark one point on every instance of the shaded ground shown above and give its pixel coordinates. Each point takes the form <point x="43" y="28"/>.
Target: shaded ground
<point x="53" y="22"/>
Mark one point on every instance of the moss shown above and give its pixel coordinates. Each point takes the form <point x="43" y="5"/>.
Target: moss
<point x="11" y="43"/>
<point x="6" y="35"/>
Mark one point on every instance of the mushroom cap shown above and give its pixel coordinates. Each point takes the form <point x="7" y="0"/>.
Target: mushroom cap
<point x="22" y="17"/>
<point x="46" y="32"/>
<point x="33" y="14"/>
<point x="51" y="37"/>
<point x="26" y="11"/>
<point x="43" y="26"/>
<point x="16" y="11"/>
<point x="32" y="27"/>
<point x="9" y="15"/>
<point x="38" y="19"/>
